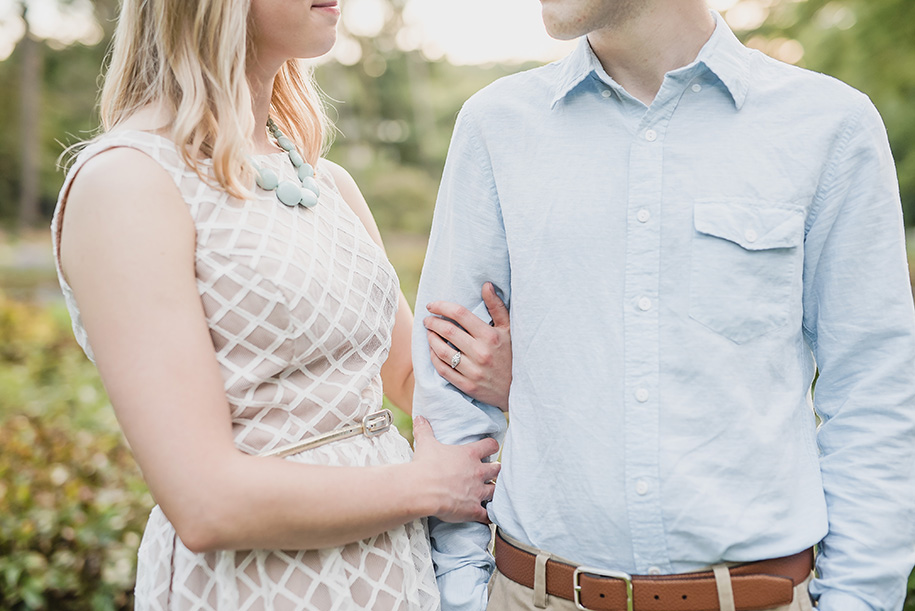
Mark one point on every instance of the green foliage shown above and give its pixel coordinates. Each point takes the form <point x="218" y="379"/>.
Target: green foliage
<point x="401" y="196"/>
<point x="394" y="127"/>
<point x="72" y="501"/>
<point x="395" y="110"/>
<point x="68" y="115"/>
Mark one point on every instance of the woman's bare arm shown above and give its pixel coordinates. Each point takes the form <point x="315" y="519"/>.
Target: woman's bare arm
<point x="128" y="253"/>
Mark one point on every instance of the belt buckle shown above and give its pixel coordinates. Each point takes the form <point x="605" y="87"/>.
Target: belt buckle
<point x="576" y="583"/>
<point x="377" y="423"/>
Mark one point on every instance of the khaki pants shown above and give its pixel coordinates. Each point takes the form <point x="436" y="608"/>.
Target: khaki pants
<point x="507" y="595"/>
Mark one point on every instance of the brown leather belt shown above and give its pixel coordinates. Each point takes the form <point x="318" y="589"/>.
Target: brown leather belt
<point x="757" y="585"/>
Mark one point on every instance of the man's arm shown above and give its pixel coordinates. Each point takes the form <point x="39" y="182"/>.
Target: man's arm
<point x="467" y="247"/>
<point x="859" y="320"/>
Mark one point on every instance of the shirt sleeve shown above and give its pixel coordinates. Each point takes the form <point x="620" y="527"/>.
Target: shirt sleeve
<point x="859" y="320"/>
<point x="467" y="248"/>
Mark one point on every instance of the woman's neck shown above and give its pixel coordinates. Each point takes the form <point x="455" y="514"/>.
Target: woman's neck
<point x="260" y="82"/>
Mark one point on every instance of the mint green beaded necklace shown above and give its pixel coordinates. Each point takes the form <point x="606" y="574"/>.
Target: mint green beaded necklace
<point x="288" y="192"/>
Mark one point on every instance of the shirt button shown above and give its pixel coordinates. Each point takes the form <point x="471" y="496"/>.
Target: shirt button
<point x="641" y="395"/>
<point x="750" y="236"/>
<point x="644" y="304"/>
<point x="653" y="570"/>
<point x="651" y="135"/>
<point x="641" y="487"/>
<point x="643" y="215"/>
<point x="606" y="93"/>
<point x="696" y="88"/>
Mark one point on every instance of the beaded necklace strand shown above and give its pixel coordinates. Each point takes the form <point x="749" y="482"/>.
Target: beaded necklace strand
<point x="288" y="192"/>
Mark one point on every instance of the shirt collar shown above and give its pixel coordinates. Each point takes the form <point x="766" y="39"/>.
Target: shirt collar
<point x="727" y="59"/>
<point x="575" y="68"/>
<point x="723" y="55"/>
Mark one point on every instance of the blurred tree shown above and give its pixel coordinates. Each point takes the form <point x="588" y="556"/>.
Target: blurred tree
<point x="869" y="44"/>
<point x="397" y="107"/>
<point x="395" y="110"/>
<point x="55" y="80"/>
<point x="29" y="125"/>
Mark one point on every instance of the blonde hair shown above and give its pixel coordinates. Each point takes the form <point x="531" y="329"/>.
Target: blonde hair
<point x="189" y="56"/>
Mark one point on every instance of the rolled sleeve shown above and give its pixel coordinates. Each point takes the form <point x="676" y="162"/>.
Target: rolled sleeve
<point x="466" y="249"/>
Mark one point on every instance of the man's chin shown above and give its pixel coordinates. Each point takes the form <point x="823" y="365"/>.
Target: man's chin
<point x="560" y="31"/>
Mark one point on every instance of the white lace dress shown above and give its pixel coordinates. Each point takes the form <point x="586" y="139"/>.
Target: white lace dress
<point x="300" y="304"/>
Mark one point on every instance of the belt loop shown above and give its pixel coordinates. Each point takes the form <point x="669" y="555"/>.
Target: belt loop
<point x="540" y="596"/>
<point x="725" y="591"/>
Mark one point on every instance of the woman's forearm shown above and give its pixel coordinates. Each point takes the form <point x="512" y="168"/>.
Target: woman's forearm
<point x="230" y="500"/>
<point x="251" y="502"/>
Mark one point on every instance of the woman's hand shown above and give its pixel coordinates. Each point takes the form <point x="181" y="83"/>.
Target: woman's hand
<point x="484" y="368"/>
<point x="456" y="477"/>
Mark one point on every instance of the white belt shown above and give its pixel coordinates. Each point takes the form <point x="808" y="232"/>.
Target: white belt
<point x="373" y="424"/>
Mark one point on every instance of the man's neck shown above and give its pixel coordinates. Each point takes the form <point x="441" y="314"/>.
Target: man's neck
<point x="637" y="54"/>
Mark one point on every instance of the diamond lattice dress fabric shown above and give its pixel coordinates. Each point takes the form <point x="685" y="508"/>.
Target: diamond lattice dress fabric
<point x="300" y="304"/>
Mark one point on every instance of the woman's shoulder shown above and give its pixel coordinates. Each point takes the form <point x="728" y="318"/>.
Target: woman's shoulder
<point x="122" y="158"/>
<point x="118" y="194"/>
<point x="120" y="168"/>
<point x="123" y="146"/>
<point x="130" y="163"/>
<point x="349" y="192"/>
<point x="340" y="180"/>
<point x="123" y="149"/>
<point x="332" y="171"/>
<point x="115" y="163"/>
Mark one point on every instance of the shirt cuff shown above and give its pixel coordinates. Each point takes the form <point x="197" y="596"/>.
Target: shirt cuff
<point x="840" y="601"/>
<point x="464" y="589"/>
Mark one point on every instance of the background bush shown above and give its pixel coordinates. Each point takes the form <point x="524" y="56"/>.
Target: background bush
<point x="72" y="502"/>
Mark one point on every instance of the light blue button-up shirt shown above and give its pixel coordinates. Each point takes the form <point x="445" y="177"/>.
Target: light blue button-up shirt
<point x="676" y="274"/>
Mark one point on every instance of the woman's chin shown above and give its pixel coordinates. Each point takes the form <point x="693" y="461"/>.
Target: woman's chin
<point x="317" y="48"/>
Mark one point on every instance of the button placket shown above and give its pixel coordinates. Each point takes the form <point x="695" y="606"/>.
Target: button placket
<point x="641" y="340"/>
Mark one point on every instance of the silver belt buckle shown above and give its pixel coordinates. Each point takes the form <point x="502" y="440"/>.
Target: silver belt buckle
<point x="576" y="583"/>
<point x="377" y="423"/>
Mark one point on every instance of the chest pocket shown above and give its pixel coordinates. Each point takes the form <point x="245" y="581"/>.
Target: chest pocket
<point x="744" y="257"/>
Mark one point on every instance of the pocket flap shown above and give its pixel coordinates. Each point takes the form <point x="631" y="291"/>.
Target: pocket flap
<point x="753" y="226"/>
